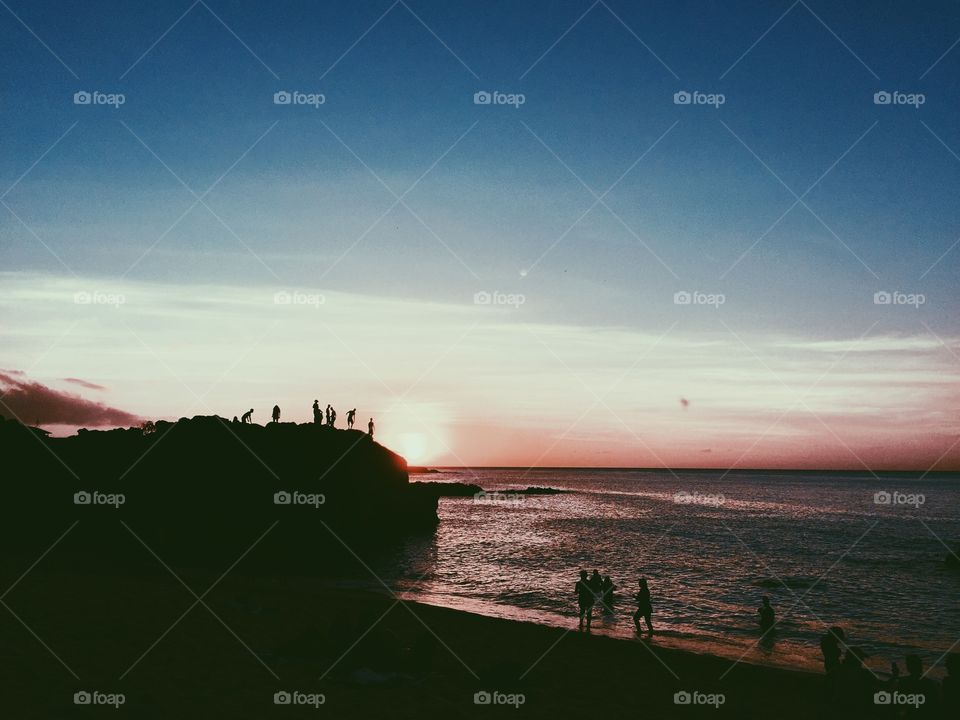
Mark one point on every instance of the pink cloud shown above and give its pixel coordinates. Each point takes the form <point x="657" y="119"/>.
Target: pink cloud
<point x="33" y="402"/>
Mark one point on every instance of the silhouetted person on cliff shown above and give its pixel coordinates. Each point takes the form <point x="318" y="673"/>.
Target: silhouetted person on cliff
<point x="644" y="607"/>
<point x="247" y="417"/>
<point x="276" y="413"/>
<point x="585" y="599"/>
<point x="329" y="411"/>
<point x="606" y="592"/>
<point x="351" y="415"/>
<point x="370" y="429"/>
<point x="830" y="647"/>
<point x="333" y="417"/>
<point x="767" y="615"/>
<point x="317" y="415"/>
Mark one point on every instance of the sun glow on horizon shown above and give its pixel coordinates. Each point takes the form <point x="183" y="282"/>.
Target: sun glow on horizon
<point x="414" y="446"/>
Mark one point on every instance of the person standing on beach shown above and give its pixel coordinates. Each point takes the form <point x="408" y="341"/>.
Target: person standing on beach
<point x="644" y="608"/>
<point x="917" y="683"/>
<point x="767" y="616"/>
<point x="585" y="599"/>
<point x="949" y="688"/>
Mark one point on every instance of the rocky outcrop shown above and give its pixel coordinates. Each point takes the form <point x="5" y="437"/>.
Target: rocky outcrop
<point x="200" y="486"/>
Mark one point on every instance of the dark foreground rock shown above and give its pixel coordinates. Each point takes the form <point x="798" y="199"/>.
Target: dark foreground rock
<point x="205" y="488"/>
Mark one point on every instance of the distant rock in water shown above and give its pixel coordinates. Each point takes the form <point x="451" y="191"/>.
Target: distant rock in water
<point x="448" y="489"/>
<point x="533" y="490"/>
<point x="457" y="489"/>
<point x="204" y="489"/>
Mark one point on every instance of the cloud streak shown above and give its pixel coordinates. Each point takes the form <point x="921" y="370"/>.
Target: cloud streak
<point x="84" y="384"/>
<point x="34" y="402"/>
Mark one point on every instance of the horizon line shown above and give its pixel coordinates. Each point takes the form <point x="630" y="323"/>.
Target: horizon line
<point x="917" y="471"/>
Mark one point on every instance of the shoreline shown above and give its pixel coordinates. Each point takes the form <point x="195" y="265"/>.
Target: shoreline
<point x="543" y="661"/>
<point x="792" y="654"/>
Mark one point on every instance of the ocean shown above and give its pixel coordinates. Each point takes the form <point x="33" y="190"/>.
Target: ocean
<point x="854" y="550"/>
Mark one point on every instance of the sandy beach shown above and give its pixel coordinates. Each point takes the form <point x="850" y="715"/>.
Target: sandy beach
<point x="364" y="654"/>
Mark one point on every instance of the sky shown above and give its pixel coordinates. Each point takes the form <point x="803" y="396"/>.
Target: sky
<point x="586" y="270"/>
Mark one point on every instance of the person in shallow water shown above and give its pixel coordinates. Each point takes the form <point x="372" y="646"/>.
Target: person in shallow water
<point x="596" y="584"/>
<point x="644" y="608"/>
<point x="585" y="598"/>
<point x="767" y="616"/>
<point x="606" y="594"/>
<point x="830" y="644"/>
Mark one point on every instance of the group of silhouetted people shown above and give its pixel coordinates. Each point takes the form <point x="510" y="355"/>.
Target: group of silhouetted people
<point x="853" y="690"/>
<point x="598" y="590"/>
<point x="330" y="415"/>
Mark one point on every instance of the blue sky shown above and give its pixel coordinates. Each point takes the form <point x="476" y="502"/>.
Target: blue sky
<point x="700" y="191"/>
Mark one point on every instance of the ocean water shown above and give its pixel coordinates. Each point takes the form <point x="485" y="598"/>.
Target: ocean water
<point x="711" y="545"/>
